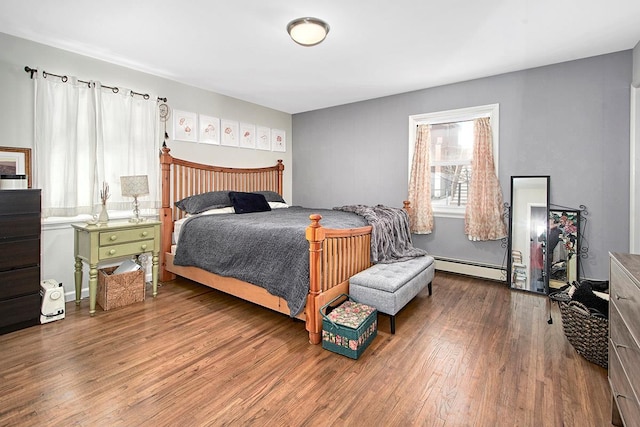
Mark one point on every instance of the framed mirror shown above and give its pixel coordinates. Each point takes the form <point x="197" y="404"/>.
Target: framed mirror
<point x="563" y="247"/>
<point x="527" y="265"/>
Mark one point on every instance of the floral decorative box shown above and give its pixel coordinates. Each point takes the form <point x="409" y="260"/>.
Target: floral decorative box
<point x="349" y="328"/>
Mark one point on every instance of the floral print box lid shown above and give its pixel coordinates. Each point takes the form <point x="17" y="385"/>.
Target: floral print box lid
<point x="350" y="314"/>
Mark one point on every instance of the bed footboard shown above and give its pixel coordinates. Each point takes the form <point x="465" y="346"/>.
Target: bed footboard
<point x="334" y="256"/>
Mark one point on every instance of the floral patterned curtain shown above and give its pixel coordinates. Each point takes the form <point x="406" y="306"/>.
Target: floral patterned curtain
<point x="484" y="218"/>
<point x="421" y="214"/>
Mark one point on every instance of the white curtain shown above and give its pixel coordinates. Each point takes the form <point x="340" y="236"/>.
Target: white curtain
<point x="86" y="135"/>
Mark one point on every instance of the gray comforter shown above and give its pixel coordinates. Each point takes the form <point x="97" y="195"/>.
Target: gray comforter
<point x="268" y="249"/>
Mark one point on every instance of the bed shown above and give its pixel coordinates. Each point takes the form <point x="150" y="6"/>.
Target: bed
<point x="335" y="254"/>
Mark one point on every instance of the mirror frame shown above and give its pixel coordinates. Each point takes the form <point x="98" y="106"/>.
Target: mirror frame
<point x="511" y="272"/>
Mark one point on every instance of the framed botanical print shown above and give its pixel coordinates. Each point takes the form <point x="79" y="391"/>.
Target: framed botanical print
<point x="185" y="126"/>
<point x="278" y="140"/>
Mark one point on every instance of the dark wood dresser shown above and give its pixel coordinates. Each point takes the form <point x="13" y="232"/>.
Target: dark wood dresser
<point x="624" y="338"/>
<point x="19" y="259"/>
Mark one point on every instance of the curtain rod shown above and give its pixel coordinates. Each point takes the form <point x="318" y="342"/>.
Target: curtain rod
<point x="64" y="79"/>
<point x="449" y="123"/>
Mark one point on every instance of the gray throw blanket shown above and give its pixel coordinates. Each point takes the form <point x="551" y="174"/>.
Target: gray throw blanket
<point x="390" y="234"/>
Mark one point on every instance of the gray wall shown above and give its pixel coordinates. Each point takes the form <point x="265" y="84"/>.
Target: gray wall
<point x="569" y="121"/>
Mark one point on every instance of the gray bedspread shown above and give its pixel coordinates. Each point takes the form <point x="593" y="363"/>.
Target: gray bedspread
<point x="390" y="233"/>
<point x="268" y="249"/>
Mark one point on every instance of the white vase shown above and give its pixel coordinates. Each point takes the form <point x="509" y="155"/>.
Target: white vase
<point x="103" y="218"/>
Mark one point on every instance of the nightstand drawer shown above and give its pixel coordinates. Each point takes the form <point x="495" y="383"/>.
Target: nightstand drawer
<point x="133" y="248"/>
<point x="123" y="236"/>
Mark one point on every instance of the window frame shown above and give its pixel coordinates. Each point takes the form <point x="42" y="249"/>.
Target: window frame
<point x="457" y="115"/>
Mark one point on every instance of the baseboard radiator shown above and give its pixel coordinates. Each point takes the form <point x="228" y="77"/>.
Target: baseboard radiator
<point x="470" y="268"/>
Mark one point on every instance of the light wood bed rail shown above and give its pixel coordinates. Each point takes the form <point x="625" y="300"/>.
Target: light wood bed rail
<point x="334" y="254"/>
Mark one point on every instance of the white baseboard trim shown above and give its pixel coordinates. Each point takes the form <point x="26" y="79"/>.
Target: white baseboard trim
<point x="469" y="268"/>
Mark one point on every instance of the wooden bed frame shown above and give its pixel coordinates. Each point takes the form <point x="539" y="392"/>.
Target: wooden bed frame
<point x="334" y="254"/>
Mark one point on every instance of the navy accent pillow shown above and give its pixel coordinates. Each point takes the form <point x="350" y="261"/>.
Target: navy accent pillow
<point x="203" y="202"/>
<point x="248" y="202"/>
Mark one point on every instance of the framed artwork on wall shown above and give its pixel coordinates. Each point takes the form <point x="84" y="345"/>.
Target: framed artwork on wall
<point x="263" y="138"/>
<point x="278" y="140"/>
<point x="209" y="129"/>
<point x="247" y="135"/>
<point x="16" y="161"/>
<point x="230" y="133"/>
<point x="185" y="126"/>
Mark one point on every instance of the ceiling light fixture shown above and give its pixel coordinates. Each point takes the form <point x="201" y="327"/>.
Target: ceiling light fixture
<point x="308" y="31"/>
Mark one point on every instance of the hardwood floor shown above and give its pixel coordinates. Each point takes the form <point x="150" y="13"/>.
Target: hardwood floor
<point x="472" y="354"/>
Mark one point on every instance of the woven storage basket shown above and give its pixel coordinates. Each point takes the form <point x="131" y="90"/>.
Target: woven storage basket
<point x="587" y="333"/>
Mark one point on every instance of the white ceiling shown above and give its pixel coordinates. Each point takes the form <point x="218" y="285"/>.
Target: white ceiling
<point x="240" y="48"/>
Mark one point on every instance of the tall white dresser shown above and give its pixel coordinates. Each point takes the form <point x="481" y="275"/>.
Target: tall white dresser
<point x="624" y="338"/>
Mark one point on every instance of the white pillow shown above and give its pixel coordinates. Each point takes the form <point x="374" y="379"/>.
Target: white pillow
<point x="217" y="211"/>
<point x="278" y="205"/>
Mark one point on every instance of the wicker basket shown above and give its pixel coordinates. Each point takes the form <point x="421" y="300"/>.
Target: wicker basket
<point x="587" y="333"/>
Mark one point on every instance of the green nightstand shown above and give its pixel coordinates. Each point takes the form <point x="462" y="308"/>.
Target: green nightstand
<point x="93" y="243"/>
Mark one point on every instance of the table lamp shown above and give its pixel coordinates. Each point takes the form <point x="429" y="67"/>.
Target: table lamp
<point x="135" y="186"/>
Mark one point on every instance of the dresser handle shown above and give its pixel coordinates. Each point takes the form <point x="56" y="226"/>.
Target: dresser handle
<point x="620" y="297"/>
<point x="620" y="396"/>
<point x="112" y="252"/>
<point x="144" y="234"/>
<point x="143" y="247"/>
<point x="113" y="237"/>
<point x="620" y="345"/>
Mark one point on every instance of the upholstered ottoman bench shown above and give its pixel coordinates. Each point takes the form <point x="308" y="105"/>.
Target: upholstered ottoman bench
<point x="389" y="287"/>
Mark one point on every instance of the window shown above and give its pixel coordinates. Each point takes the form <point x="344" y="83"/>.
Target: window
<point x="450" y="154"/>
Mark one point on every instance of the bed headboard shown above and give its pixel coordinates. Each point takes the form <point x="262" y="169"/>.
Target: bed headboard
<point x="182" y="178"/>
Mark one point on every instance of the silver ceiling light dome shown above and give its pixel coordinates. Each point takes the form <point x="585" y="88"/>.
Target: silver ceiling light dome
<point x="308" y="31"/>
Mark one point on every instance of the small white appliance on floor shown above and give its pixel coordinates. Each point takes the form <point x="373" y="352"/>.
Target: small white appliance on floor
<point x="52" y="294"/>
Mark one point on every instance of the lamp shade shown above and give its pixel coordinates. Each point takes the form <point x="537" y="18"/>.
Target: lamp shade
<point x="133" y="186"/>
<point x="308" y="31"/>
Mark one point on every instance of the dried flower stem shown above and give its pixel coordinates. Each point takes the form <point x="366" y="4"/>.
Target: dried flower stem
<point x="104" y="193"/>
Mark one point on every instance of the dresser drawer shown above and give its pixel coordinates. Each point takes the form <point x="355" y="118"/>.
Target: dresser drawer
<point x="625" y="346"/>
<point x="626" y="296"/>
<point x="22" y="253"/>
<point x="628" y="406"/>
<point x="123" y="236"/>
<point x="19" y="282"/>
<point x="117" y="251"/>
<point x="21" y="309"/>
<point x="19" y="226"/>
<point x="19" y="202"/>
